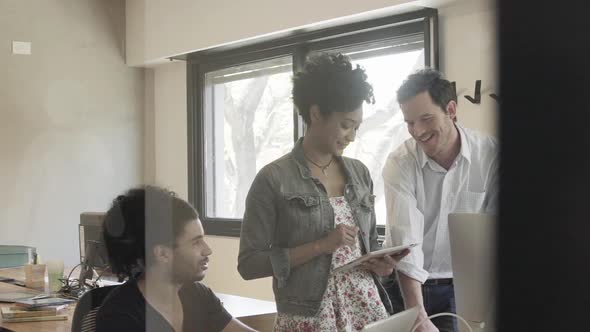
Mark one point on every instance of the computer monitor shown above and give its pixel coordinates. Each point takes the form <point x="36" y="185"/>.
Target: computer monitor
<point x="472" y="237"/>
<point x="93" y="254"/>
<point x="402" y="321"/>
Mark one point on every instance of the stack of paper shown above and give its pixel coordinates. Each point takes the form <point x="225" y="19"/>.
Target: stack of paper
<point x="12" y="296"/>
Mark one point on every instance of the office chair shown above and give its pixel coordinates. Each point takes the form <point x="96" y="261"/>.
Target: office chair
<point x="85" y="313"/>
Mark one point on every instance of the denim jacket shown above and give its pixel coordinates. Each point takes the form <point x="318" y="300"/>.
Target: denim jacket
<point x="286" y="207"/>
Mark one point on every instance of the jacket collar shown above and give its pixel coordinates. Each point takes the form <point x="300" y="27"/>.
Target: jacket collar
<point x="305" y="172"/>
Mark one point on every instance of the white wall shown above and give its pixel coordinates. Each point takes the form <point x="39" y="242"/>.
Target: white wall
<point x="71" y="124"/>
<point x="149" y="143"/>
<point x="170" y="129"/>
<point x="170" y="117"/>
<point x="468" y="52"/>
<point x="467" y="37"/>
<point x="157" y="29"/>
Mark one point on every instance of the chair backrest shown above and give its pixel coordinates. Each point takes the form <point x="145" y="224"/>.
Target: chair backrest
<point x="85" y="314"/>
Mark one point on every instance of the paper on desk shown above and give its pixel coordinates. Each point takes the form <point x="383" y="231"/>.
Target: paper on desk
<point x="16" y="296"/>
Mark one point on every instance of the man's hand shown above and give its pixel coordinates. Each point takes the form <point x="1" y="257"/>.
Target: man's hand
<point x="385" y="265"/>
<point x="341" y="235"/>
<point x="427" y="325"/>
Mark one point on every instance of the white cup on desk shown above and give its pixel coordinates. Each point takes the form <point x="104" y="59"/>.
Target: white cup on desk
<point x="55" y="271"/>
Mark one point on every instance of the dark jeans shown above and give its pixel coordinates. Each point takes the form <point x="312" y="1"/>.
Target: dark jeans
<point x="437" y="299"/>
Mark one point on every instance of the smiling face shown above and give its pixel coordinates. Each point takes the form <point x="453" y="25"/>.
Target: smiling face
<point x="335" y="130"/>
<point x="432" y="128"/>
<point x="191" y="253"/>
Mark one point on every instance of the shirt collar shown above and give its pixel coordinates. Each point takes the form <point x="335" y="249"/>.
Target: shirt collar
<point x="465" y="151"/>
<point x="465" y="144"/>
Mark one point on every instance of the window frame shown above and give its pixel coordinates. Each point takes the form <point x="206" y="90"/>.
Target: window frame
<point x="297" y="45"/>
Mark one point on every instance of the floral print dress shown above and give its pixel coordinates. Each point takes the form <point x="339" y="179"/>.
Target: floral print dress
<point x="351" y="299"/>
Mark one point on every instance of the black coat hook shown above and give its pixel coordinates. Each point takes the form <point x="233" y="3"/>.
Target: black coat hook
<point x="496" y="97"/>
<point x="476" y="99"/>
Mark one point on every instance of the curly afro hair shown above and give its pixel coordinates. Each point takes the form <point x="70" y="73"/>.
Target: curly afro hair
<point x="332" y="83"/>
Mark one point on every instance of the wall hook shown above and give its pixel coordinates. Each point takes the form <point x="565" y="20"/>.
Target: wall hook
<point x="476" y="99"/>
<point x="496" y="97"/>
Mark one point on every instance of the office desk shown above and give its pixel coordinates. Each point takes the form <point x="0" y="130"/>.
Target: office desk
<point x="48" y="326"/>
<point x="258" y="314"/>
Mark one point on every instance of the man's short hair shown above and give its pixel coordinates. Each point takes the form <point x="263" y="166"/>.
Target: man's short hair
<point x="440" y="90"/>
<point x="139" y="220"/>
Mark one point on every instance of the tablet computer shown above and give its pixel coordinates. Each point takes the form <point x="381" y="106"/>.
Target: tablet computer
<point x="375" y="254"/>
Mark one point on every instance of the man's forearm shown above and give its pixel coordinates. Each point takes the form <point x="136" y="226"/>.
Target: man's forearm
<point x="411" y="291"/>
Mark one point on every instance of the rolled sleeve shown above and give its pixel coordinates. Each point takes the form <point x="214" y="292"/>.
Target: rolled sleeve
<point x="281" y="265"/>
<point x="411" y="265"/>
<point x="259" y="257"/>
<point x="411" y="271"/>
<point x="405" y="223"/>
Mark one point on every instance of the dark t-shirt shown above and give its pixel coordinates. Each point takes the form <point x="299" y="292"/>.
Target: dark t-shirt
<point x="125" y="309"/>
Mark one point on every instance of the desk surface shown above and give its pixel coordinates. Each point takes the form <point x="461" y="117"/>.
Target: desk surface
<point x="57" y="326"/>
<point x="239" y="306"/>
<point x="256" y="313"/>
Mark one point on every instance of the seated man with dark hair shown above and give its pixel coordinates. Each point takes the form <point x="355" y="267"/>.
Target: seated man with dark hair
<point x="155" y="239"/>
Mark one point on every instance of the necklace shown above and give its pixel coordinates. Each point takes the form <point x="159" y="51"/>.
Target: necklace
<point x="324" y="168"/>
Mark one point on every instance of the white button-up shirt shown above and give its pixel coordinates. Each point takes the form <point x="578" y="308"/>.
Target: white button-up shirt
<point x="420" y="194"/>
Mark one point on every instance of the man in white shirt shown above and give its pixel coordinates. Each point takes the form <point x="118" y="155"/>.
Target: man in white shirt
<point x="443" y="168"/>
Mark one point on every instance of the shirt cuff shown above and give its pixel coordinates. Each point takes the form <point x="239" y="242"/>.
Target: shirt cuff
<point x="412" y="271"/>
<point x="281" y="265"/>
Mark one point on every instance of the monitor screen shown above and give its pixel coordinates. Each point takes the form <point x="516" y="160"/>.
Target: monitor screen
<point x="472" y="237"/>
<point x="92" y="249"/>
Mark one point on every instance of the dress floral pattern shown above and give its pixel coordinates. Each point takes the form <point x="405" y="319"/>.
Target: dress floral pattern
<point x="351" y="300"/>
